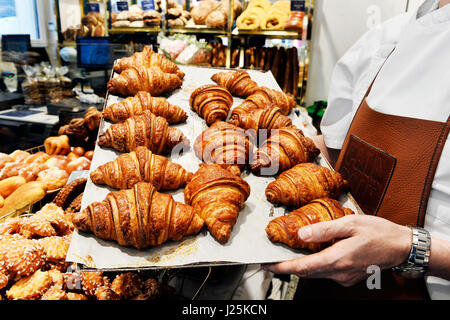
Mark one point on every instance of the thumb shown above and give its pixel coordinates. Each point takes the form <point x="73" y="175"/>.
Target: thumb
<point x="326" y="231"/>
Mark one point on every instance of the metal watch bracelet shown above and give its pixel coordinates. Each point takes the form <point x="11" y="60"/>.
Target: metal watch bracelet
<point x="417" y="263"/>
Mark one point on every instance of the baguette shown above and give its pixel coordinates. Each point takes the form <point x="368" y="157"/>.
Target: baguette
<point x="26" y="194"/>
<point x="9" y="185"/>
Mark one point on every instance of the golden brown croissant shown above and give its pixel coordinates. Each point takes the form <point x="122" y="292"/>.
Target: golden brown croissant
<point x="268" y="118"/>
<point x="153" y="80"/>
<point x="304" y="183"/>
<point x="224" y="143"/>
<point x="211" y="102"/>
<point x="144" y="130"/>
<point x="285" y="148"/>
<point x="139" y="217"/>
<point x="92" y="118"/>
<point x="141" y="165"/>
<point x="285" y="229"/>
<point x="148" y="58"/>
<point x="263" y="97"/>
<point x="237" y="82"/>
<point x="136" y="105"/>
<point x="217" y="196"/>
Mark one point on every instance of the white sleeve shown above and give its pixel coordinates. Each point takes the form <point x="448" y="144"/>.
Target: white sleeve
<point x="352" y="76"/>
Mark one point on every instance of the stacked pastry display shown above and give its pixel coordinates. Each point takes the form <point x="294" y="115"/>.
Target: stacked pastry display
<point x="214" y="14"/>
<point x="133" y="18"/>
<point x="177" y="17"/>
<point x="33" y="267"/>
<point x="92" y="25"/>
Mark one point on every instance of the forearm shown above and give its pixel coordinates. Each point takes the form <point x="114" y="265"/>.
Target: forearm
<point x="439" y="265"/>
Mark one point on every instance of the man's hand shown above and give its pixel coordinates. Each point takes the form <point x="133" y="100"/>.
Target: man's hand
<point x="362" y="241"/>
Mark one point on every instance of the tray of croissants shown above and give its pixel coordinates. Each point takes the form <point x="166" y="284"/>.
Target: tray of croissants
<point x="200" y="166"/>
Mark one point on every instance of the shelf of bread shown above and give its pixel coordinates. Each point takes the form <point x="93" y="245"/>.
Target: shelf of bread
<point x="276" y="34"/>
<point x="128" y="30"/>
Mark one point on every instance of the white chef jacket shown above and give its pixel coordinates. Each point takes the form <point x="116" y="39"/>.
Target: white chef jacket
<point x="414" y="83"/>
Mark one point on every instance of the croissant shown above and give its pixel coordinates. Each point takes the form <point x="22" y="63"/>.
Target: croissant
<point x="92" y="118"/>
<point x="268" y="118"/>
<point x="143" y="130"/>
<point x="140" y="217"/>
<point x="57" y="145"/>
<point x="148" y="58"/>
<point x="141" y="165"/>
<point x="285" y="229"/>
<point x="304" y="183"/>
<point x="238" y="82"/>
<point x="153" y="80"/>
<point x="225" y="144"/>
<point x="218" y="196"/>
<point x="211" y="102"/>
<point x="285" y="148"/>
<point x="263" y="97"/>
<point x="136" y="105"/>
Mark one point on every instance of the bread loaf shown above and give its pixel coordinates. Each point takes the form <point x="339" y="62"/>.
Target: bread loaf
<point x="26" y="194"/>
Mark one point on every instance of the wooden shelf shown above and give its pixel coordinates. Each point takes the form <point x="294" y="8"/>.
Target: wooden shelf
<point x="134" y="30"/>
<point x="275" y="34"/>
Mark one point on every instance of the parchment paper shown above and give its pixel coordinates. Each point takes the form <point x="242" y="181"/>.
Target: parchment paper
<point x="248" y="243"/>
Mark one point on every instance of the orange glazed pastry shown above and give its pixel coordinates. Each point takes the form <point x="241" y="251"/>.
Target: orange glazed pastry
<point x="304" y="183"/>
<point x="217" y="196"/>
<point x="285" y="229"/>
<point x="140" y="217"/>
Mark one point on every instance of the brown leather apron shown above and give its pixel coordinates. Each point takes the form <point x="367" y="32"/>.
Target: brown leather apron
<point x="390" y="163"/>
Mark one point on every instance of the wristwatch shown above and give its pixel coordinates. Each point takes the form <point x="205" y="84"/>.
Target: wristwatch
<point x="416" y="265"/>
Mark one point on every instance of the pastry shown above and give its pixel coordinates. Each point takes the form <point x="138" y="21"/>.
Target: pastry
<point x="26" y="194"/>
<point x="106" y="293"/>
<point x="218" y="196"/>
<point x="304" y="183"/>
<point x="75" y="205"/>
<point x="49" y="221"/>
<point x="30" y="171"/>
<point x="89" y="154"/>
<point x="4" y="159"/>
<point x="225" y="144"/>
<point x="31" y="287"/>
<point x="295" y="21"/>
<point x="78" y="164"/>
<point x="263" y="97"/>
<point x="238" y="82"/>
<point x="54" y="293"/>
<point x="54" y="178"/>
<point x="285" y="229"/>
<point x="277" y="16"/>
<point x="138" y="217"/>
<point x="256" y="119"/>
<point x="55" y="248"/>
<point x="211" y="102"/>
<point x="131" y="106"/>
<point x="9" y="185"/>
<point x="92" y="119"/>
<point x="69" y="192"/>
<point x="141" y="165"/>
<point x="19" y="155"/>
<point x="143" y="130"/>
<point x="127" y="285"/>
<point x="147" y="58"/>
<point x="57" y="161"/>
<point x="140" y="78"/>
<point x="201" y="11"/>
<point x="285" y="148"/>
<point x="19" y="257"/>
<point x="91" y="281"/>
<point x="79" y="151"/>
